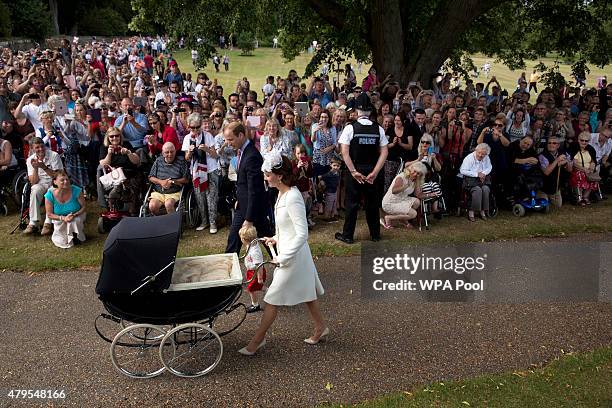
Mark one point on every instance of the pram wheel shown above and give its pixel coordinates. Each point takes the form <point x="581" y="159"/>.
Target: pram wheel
<point x="101" y="226"/>
<point x="134" y="351"/>
<point x="3" y="209"/>
<point x="193" y="213"/>
<point x="518" y="210"/>
<point x="191" y="350"/>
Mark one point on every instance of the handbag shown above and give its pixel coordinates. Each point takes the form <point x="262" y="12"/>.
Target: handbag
<point x="112" y="178"/>
<point x="593" y="177"/>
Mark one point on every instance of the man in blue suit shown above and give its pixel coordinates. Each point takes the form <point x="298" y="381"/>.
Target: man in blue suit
<point x="252" y="201"/>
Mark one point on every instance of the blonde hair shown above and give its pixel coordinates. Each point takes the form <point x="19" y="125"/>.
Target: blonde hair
<point x="272" y="121"/>
<point x="112" y="130"/>
<point x="47" y="115"/>
<point x="421" y="169"/>
<point x="247" y="234"/>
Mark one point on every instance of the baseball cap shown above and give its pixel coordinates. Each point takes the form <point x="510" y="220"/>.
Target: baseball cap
<point x="172" y="63"/>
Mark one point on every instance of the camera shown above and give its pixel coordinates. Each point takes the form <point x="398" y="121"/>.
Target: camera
<point x="179" y="110"/>
<point x="249" y="109"/>
<point x="457" y="122"/>
<point x="130" y="112"/>
<point x="218" y="115"/>
<point x="117" y="149"/>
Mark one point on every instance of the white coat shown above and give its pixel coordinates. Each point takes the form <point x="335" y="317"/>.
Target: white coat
<point x="295" y="280"/>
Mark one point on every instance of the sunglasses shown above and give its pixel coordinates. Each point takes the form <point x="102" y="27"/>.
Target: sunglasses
<point x="499" y="125"/>
<point x="194" y="127"/>
<point x="425" y="142"/>
<point x="113" y="136"/>
<point x="583" y="140"/>
<point x="553" y="143"/>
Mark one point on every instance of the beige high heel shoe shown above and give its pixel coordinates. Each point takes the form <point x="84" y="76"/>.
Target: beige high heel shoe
<point x="321" y="337"/>
<point x="246" y="352"/>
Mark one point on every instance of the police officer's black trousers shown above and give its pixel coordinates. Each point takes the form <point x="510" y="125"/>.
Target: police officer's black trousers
<point x="372" y="194"/>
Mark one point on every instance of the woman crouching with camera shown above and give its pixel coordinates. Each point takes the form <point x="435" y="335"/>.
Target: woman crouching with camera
<point x="65" y="207"/>
<point x="115" y="153"/>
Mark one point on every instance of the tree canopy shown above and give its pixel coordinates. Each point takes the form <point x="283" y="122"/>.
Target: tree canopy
<point x="409" y="39"/>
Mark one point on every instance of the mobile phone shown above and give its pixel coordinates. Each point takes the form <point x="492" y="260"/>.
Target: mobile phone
<point x="130" y="112"/>
<point x="430" y="149"/>
<point x="302" y="108"/>
<point x="140" y="101"/>
<point x="253" y="121"/>
<point x="60" y="107"/>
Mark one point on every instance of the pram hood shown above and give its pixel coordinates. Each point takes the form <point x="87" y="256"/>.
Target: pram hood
<point x="136" y="249"/>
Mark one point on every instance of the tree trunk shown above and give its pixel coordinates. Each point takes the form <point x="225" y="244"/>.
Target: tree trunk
<point x="387" y="40"/>
<point x="54" y="16"/>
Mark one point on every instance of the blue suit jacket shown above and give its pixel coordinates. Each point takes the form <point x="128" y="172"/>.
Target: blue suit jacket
<point x="250" y="190"/>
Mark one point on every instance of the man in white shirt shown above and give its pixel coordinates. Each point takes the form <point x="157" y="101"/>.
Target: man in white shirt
<point x="41" y="166"/>
<point x="364" y="150"/>
<point x="33" y="109"/>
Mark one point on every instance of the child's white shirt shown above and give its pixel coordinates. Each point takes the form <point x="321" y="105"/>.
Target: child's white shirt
<point x="254" y="257"/>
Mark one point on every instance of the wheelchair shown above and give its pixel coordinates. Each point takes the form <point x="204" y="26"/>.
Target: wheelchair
<point x="187" y="205"/>
<point x="465" y="200"/>
<point x="115" y="212"/>
<point x="427" y="204"/>
<point x="526" y="185"/>
<point x="18" y="190"/>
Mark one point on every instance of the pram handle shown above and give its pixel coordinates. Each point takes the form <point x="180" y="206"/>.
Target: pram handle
<point x="255" y="242"/>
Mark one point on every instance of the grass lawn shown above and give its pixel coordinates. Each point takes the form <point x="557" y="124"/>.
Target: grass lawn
<point x="574" y="380"/>
<point x="268" y="61"/>
<point x="36" y="254"/>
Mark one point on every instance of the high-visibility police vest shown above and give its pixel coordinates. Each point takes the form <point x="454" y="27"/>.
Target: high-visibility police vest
<point x="365" y="145"/>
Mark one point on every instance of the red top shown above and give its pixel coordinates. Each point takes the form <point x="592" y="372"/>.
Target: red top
<point x="168" y="135"/>
<point x="303" y="175"/>
<point x="148" y="60"/>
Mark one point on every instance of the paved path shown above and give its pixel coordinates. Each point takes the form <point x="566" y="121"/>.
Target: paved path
<point x="375" y="347"/>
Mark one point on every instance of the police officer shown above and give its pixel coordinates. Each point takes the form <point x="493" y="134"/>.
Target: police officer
<point x="364" y="150"/>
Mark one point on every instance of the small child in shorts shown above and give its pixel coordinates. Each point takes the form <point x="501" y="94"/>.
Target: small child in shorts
<point x="253" y="258"/>
<point x="302" y="170"/>
<point x="330" y="181"/>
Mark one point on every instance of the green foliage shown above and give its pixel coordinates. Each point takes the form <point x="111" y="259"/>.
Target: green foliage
<point x="510" y="30"/>
<point x="246" y="42"/>
<point x="103" y="21"/>
<point x="30" y="19"/>
<point x="5" y="20"/>
<point x="551" y="76"/>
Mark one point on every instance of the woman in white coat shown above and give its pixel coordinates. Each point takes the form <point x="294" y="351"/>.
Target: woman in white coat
<point x="295" y="279"/>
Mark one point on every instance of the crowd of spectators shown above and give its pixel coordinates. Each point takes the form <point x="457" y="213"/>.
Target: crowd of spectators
<point x="125" y="103"/>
